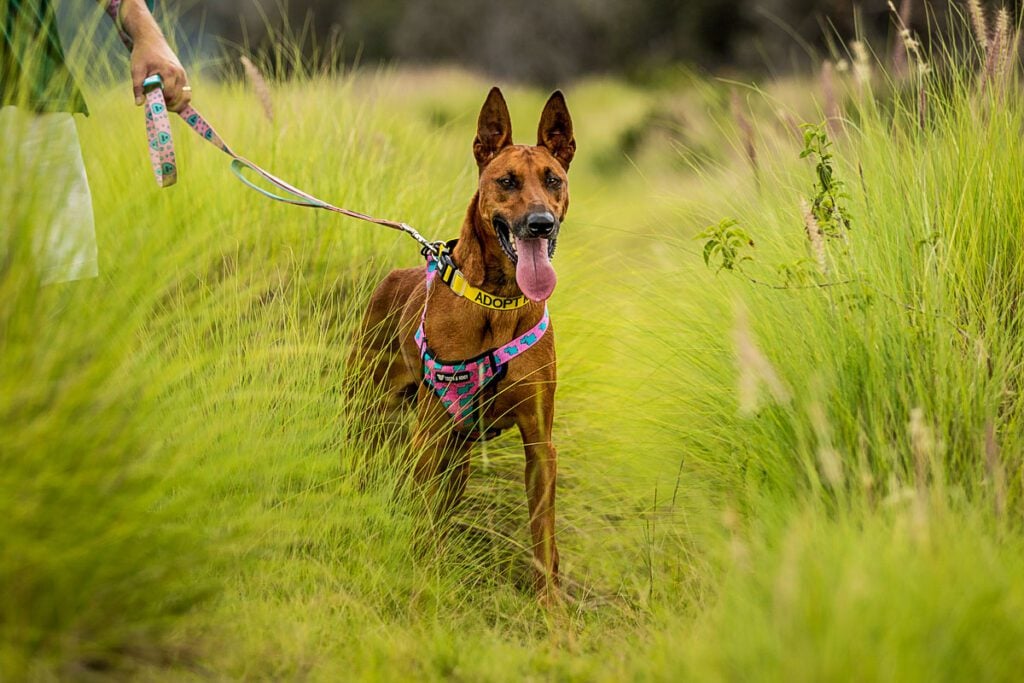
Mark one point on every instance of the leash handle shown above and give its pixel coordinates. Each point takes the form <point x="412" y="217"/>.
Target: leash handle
<point x="158" y="133"/>
<point x="158" y="124"/>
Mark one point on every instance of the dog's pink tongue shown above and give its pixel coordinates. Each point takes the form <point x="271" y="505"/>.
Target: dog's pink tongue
<point x="534" y="273"/>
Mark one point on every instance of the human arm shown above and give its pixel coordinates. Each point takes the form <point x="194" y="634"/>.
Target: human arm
<point x="150" y="53"/>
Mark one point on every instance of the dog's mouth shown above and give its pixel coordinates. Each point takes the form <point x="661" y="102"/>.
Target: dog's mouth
<point x="504" y="232"/>
<point x="532" y="258"/>
<point x="508" y="243"/>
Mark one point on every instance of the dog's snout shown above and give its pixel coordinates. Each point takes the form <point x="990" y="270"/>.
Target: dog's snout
<point x="540" y="224"/>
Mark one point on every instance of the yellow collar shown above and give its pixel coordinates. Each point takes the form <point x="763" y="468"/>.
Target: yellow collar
<point x="458" y="283"/>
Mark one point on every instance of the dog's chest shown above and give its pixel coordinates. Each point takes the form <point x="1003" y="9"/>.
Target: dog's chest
<point x="454" y="334"/>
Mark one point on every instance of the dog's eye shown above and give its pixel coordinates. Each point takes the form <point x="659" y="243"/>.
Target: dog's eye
<point x="554" y="182"/>
<point x="507" y="182"/>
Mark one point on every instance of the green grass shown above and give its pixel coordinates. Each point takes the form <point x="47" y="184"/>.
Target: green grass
<point x="178" y="461"/>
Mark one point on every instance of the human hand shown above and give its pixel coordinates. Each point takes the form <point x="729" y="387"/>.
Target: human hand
<point x="152" y="55"/>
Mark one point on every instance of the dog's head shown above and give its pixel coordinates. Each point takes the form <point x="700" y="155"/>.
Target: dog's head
<point x="524" y="190"/>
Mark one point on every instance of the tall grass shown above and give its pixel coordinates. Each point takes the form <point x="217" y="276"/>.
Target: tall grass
<point x="877" y="538"/>
<point x="183" y="476"/>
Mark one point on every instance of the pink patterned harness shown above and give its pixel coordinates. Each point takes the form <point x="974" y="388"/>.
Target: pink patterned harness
<point x="459" y="383"/>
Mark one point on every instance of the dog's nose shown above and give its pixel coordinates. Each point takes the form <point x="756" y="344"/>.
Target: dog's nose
<point x="540" y="224"/>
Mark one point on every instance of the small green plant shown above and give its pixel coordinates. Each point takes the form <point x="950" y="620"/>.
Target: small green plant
<point x="725" y="240"/>
<point x="829" y="211"/>
<point x="827" y="216"/>
<point x="799" y="273"/>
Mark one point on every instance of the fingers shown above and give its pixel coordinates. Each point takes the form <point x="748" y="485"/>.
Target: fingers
<point x="175" y="83"/>
<point x="183" y="100"/>
<point x="151" y="57"/>
<point x="177" y="92"/>
<point x="138" y="75"/>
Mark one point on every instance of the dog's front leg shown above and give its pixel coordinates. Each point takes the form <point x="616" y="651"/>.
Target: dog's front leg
<point x="541" y="471"/>
<point x="441" y="457"/>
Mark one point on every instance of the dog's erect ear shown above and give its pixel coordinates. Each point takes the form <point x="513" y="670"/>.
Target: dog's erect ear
<point x="493" y="129"/>
<point x="555" y="130"/>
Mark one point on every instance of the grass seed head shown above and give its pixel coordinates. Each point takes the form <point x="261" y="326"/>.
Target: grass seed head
<point x="745" y="127"/>
<point x="999" y="51"/>
<point x="814" y="237"/>
<point x="922" y="444"/>
<point x="755" y="369"/>
<point x="828" y="457"/>
<point x="979" y="23"/>
<point x="833" y="113"/>
<point x="260" y="86"/>
<point x="861" y="64"/>
<point x="994" y="469"/>
<point x="922" y="106"/>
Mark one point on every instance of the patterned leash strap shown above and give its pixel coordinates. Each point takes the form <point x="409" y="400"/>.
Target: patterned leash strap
<point x="158" y="133"/>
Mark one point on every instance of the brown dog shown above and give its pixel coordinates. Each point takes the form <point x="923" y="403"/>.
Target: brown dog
<point x="503" y="250"/>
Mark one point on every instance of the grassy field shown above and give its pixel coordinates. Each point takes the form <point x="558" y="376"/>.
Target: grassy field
<point x="806" y="466"/>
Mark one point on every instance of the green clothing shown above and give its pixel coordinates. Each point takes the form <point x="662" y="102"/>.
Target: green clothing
<point x="32" y="69"/>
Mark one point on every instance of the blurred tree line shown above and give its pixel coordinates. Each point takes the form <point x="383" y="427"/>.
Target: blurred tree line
<point x="552" y="41"/>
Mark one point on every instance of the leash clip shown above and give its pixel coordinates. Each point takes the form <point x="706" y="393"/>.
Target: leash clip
<point x="432" y="249"/>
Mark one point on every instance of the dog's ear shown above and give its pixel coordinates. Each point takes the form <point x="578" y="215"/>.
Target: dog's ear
<point x="555" y="130"/>
<point x="493" y="129"/>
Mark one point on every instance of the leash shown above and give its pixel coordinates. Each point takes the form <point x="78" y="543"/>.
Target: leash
<point x="161" y="154"/>
<point x="165" y="171"/>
